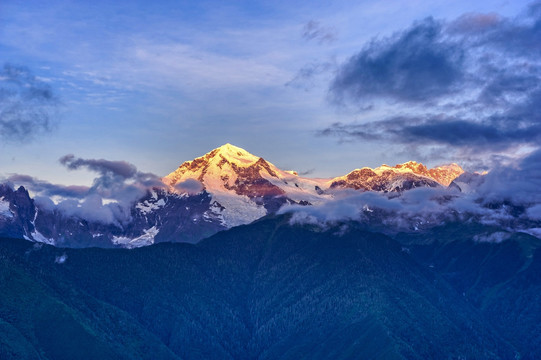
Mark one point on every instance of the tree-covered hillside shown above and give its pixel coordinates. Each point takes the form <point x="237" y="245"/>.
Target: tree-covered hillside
<point x="269" y="290"/>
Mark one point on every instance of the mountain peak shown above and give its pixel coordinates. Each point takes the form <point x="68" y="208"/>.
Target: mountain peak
<point x="230" y="147"/>
<point x="215" y="159"/>
<point x="234" y="154"/>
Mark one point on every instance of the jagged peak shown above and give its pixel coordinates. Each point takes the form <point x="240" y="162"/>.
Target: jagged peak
<point x="443" y="174"/>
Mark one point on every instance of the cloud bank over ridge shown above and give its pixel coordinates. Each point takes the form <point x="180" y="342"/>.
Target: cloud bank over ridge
<point x="507" y="197"/>
<point x="117" y="186"/>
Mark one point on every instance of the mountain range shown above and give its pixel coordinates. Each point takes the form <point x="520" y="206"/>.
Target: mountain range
<point x="222" y="189"/>
<point x="249" y="261"/>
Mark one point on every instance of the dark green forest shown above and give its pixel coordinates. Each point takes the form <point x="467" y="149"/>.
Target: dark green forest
<point x="271" y="290"/>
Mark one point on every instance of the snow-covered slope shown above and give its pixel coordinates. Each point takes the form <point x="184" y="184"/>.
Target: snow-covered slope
<point x="5" y="212"/>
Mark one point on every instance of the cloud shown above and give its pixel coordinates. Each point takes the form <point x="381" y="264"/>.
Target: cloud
<point x="61" y="259"/>
<point x="28" y="105"/>
<point x="306" y="172"/>
<point x="535" y="212"/>
<point x="475" y="24"/>
<point x="92" y="209"/>
<point x="507" y="197"/>
<point x="118" y="185"/>
<point x="519" y="36"/>
<point x="45" y="203"/>
<point x="314" y="31"/>
<point x="47" y="189"/>
<point x="117" y="180"/>
<point x="415" y="208"/>
<point x="414" y="65"/>
<point x="471" y="85"/>
<point x="496" y="237"/>
<point x="499" y="132"/>
<point x="517" y="184"/>
<point x="119" y="168"/>
<point x="305" y="77"/>
<point x="190" y="186"/>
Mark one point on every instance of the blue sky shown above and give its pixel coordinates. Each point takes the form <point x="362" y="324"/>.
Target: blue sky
<point x="321" y="87"/>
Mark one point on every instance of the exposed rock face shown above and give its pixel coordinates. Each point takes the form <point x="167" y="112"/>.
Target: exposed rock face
<point x="399" y="178"/>
<point x="17" y="212"/>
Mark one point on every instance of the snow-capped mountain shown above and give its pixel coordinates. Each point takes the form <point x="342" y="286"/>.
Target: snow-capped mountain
<point x="244" y="187"/>
<point x="224" y="188"/>
<point x="401" y="177"/>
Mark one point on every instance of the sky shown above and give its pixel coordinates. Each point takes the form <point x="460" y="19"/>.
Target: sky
<point x="319" y="87"/>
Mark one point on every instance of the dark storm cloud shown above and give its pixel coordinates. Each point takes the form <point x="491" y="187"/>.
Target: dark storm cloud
<point x="472" y="84"/>
<point x="414" y="65"/>
<point x="313" y="30"/>
<point x="27" y="104"/>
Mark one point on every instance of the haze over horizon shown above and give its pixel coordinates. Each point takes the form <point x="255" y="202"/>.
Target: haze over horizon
<point x="317" y="88"/>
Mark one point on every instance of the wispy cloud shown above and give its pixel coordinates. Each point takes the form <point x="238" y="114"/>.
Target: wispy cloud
<point x="28" y="105"/>
<point x="101" y="166"/>
<point x="314" y="31"/>
<point x="305" y="78"/>
<point x="45" y="188"/>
